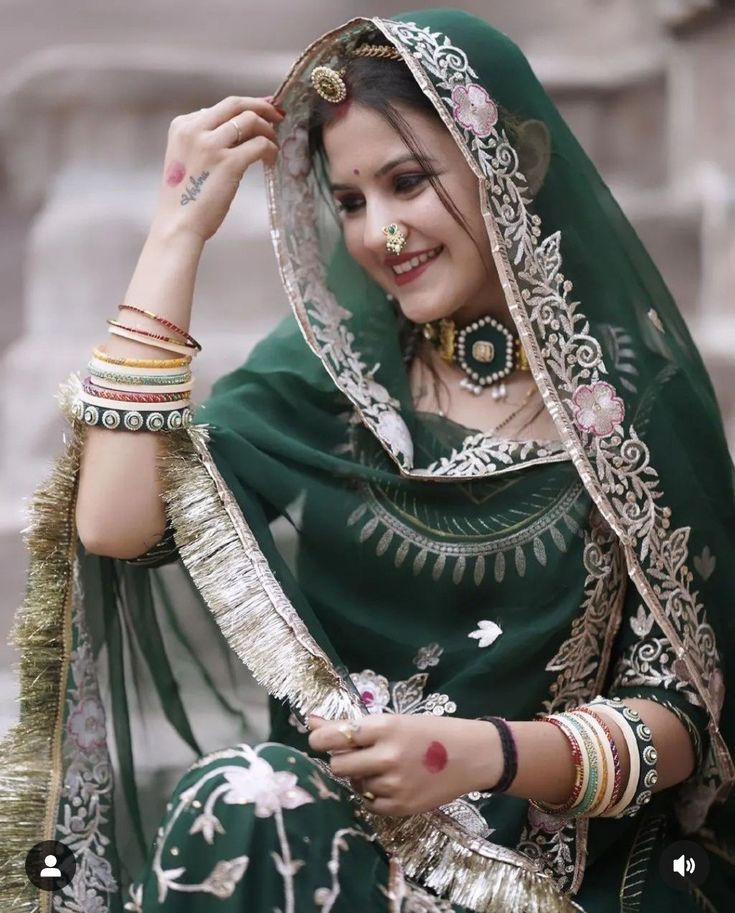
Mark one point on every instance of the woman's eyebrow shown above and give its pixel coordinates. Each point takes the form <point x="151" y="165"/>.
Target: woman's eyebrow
<point x="384" y="169"/>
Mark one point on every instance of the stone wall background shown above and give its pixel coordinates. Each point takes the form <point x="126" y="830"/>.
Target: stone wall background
<point x="86" y="94"/>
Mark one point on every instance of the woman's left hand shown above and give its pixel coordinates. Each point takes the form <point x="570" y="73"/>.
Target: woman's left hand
<point x="411" y="762"/>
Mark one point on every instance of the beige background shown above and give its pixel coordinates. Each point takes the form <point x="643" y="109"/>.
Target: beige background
<point x="87" y="90"/>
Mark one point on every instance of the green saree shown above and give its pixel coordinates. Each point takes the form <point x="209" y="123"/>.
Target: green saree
<point x="437" y="570"/>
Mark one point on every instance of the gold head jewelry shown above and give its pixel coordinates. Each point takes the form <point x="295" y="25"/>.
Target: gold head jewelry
<point x="395" y="240"/>
<point x="329" y="83"/>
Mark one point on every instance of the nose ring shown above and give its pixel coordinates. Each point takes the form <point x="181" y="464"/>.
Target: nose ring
<point x="395" y="240"/>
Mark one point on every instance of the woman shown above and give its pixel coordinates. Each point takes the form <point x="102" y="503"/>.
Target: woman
<point x="496" y="668"/>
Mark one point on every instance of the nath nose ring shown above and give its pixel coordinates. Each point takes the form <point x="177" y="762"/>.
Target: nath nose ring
<point x="395" y="240"/>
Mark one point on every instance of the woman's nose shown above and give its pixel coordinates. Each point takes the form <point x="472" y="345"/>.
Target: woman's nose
<point x="375" y="236"/>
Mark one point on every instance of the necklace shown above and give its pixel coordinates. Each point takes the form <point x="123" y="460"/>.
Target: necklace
<point x="484" y="350"/>
<point x="524" y="402"/>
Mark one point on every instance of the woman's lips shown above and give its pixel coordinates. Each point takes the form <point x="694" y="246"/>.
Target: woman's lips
<point x="415" y="271"/>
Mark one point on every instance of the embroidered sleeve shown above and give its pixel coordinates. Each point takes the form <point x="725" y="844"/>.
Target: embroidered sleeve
<point x="644" y="665"/>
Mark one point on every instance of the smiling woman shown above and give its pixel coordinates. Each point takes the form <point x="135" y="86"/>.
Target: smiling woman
<point x="497" y="665"/>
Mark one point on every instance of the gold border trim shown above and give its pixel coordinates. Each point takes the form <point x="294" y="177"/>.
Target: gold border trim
<point x="31" y="771"/>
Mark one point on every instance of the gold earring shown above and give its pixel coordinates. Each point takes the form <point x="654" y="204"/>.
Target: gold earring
<point x="395" y="240"/>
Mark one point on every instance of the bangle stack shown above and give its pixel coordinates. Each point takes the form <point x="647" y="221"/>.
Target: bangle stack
<point x="599" y="789"/>
<point x="140" y="394"/>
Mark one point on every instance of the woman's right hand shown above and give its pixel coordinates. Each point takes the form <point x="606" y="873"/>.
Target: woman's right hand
<point x="204" y="162"/>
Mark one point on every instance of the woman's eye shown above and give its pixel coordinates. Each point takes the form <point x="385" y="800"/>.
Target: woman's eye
<point x="348" y="204"/>
<point x="409" y="181"/>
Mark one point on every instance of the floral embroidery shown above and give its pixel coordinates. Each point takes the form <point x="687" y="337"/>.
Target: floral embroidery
<point x="428" y="656"/>
<point x="597" y="408"/>
<point x="474" y="109"/>
<point x="86" y="724"/>
<point x="487" y="633"/>
<point x="84" y="823"/>
<point x="264" y="787"/>
<point x="373" y="689"/>
<point x="270" y="791"/>
<point x="295" y="152"/>
<point x="402" y="696"/>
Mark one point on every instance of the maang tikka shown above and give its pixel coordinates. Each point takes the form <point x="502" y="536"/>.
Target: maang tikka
<point x="329" y="83"/>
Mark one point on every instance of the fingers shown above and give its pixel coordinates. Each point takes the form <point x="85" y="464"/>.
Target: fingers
<point x="211" y="118"/>
<point x="328" y="737"/>
<point x="366" y="762"/>
<point x="250" y="124"/>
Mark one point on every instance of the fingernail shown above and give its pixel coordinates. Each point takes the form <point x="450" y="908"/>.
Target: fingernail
<point x="268" y="98"/>
<point x="281" y="111"/>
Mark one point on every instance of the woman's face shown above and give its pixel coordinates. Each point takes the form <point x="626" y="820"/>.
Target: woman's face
<point x="375" y="181"/>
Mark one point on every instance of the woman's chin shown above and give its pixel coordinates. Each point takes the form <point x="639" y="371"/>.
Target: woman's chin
<point x="418" y="311"/>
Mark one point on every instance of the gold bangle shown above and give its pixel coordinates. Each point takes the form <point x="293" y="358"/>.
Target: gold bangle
<point x="141" y="362"/>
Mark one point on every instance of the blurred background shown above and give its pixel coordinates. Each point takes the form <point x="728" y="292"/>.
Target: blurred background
<point x="87" y="91"/>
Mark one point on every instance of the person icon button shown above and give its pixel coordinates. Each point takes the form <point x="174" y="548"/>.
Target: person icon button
<point x="50" y="865"/>
<point x="50" y="871"/>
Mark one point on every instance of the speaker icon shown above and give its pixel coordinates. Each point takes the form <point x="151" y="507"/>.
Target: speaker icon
<point x="684" y="865"/>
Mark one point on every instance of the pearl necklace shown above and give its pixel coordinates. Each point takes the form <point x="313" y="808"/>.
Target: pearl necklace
<point x="485" y="350"/>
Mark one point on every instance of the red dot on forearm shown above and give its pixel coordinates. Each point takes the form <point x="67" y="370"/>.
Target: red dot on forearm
<point x="435" y="758"/>
<point x="175" y="174"/>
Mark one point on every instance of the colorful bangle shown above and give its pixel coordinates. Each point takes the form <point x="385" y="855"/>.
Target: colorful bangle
<point x="142" y="387"/>
<point x="129" y="395"/>
<point x="594" y="764"/>
<point x="581" y="767"/>
<point x="100" y="354"/>
<point x="139" y="406"/>
<point x="642" y="753"/>
<point x="121" y="375"/>
<point x="147" y="339"/>
<point x="132" y="419"/>
<point x="163" y="322"/>
<point x="510" y="754"/>
<point x="604" y="760"/>
<point x="617" y="789"/>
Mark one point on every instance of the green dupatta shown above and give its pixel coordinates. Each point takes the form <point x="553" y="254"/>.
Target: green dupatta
<point x="619" y="374"/>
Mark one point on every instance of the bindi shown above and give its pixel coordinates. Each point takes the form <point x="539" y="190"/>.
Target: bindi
<point x="175" y="174"/>
<point x="435" y="758"/>
<point x="355" y="170"/>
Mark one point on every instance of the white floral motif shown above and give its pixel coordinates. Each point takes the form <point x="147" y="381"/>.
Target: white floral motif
<point x="487" y="633"/>
<point x="373" y="689"/>
<point x="269" y="791"/>
<point x="428" y="656"/>
<point x="598" y="409"/>
<point x="474" y="109"/>
<point x="266" y="788"/>
<point x="86" y="724"/>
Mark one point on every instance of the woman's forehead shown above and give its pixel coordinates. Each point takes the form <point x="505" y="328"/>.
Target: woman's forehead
<point x="363" y="138"/>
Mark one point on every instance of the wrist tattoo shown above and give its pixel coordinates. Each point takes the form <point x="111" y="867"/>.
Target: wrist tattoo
<point x="194" y="188"/>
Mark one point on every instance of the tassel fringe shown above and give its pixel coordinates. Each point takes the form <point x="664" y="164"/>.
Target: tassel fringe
<point x="30" y="761"/>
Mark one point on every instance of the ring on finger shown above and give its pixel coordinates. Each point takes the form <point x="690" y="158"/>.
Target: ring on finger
<point x="348" y="730"/>
<point x="370" y="796"/>
<point x="238" y="134"/>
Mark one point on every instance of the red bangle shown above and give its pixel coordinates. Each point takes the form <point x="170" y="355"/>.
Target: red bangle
<point x="163" y="322"/>
<point x="578" y="775"/>
<point x="618" y="780"/>
<point x="124" y="326"/>
<point x="130" y="397"/>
